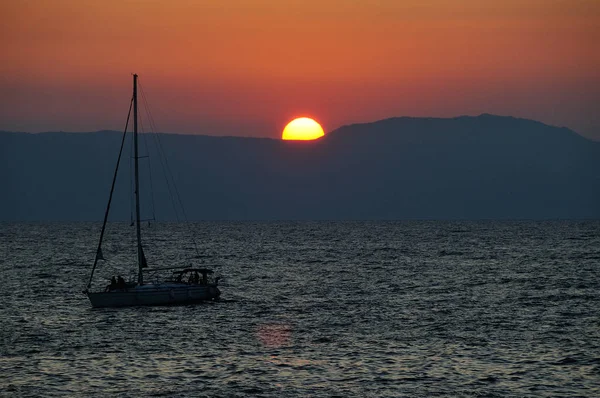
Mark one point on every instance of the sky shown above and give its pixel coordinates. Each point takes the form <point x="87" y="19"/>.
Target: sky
<point x="247" y="67"/>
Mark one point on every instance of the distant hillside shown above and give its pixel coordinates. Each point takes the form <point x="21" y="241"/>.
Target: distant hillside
<point x="401" y="168"/>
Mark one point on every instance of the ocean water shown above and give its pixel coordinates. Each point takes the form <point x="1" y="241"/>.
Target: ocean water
<point x="320" y="309"/>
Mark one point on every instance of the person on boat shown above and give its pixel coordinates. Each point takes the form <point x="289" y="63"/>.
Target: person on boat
<point x="120" y="282"/>
<point x="196" y="277"/>
<point x="112" y="286"/>
<point x="191" y="279"/>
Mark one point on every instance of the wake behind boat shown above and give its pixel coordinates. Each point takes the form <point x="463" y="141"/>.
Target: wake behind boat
<point x="182" y="286"/>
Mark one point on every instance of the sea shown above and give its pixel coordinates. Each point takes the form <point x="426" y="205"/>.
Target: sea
<point x="308" y="309"/>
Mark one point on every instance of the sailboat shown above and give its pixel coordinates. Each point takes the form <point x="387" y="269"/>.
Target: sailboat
<point x="182" y="286"/>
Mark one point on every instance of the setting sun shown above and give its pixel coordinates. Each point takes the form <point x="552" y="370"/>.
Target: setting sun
<point x="302" y="128"/>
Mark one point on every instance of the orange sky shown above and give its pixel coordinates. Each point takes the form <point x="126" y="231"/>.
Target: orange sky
<point x="247" y="67"/>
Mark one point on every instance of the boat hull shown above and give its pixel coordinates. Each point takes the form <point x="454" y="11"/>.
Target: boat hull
<point x="154" y="295"/>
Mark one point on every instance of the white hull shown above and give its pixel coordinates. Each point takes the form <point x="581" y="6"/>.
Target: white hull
<point x="161" y="294"/>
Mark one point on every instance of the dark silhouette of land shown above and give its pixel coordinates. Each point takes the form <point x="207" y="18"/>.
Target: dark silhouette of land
<point x="401" y="168"/>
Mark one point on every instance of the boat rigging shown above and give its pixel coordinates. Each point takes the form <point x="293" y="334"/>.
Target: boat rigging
<point x="183" y="286"/>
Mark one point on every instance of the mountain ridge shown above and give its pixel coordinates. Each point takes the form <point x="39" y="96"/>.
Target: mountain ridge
<point x="398" y="168"/>
<point x="342" y="127"/>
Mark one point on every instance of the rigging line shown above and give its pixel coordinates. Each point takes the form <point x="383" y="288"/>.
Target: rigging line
<point x="132" y="236"/>
<point x="160" y="158"/>
<point x="150" y="241"/>
<point x="131" y="184"/>
<point x="132" y="243"/>
<point x="169" y="188"/>
<point x="161" y="148"/>
<point x="145" y="139"/>
<point x="130" y="190"/>
<point x="187" y="222"/>
<point x="112" y="189"/>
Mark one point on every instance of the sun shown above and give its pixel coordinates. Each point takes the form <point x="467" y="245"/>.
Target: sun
<point x="302" y="128"/>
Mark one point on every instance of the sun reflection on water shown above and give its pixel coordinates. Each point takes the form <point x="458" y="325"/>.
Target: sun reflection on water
<point x="274" y="335"/>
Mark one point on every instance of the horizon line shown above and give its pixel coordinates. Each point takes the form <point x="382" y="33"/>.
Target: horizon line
<point x="485" y="114"/>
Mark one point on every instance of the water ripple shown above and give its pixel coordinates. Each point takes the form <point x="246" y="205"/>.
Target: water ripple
<point x="311" y="309"/>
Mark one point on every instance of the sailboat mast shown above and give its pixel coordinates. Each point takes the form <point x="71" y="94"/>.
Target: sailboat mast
<point x="137" y="183"/>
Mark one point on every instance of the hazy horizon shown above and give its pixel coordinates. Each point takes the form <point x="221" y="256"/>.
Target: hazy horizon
<point x="247" y="67"/>
<point x="270" y="136"/>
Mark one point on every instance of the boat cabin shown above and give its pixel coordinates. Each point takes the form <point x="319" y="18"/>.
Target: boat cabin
<point x="192" y="276"/>
<point x="188" y="276"/>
